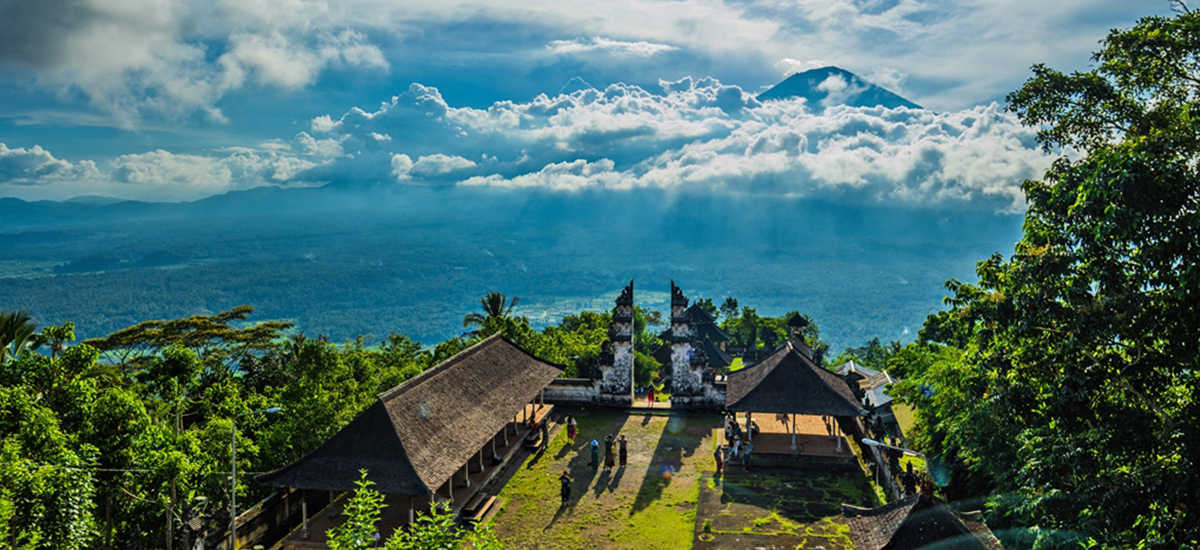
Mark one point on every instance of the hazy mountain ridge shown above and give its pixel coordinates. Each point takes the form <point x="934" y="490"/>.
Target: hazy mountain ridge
<point x="416" y="260"/>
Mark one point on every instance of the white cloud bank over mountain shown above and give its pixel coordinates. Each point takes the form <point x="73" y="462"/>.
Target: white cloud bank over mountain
<point x="697" y="136"/>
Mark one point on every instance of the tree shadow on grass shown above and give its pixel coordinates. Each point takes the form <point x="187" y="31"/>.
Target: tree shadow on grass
<point x="680" y="438"/>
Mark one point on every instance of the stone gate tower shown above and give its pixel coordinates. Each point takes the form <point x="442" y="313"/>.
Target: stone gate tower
<point x="690" y="387"/>
<point x="616" y="356"/>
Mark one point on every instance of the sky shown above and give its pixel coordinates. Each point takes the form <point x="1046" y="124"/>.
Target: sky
<point x="174" y="100"/>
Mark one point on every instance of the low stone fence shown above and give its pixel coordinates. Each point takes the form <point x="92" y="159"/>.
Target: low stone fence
<point x="572" y="391"/>
<point x="874" y="457"/>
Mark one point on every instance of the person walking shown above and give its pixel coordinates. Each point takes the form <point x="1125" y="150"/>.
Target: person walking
<point x="650" y="396"/>
<point x="621" y="450"/>
<point x="572" y="428"/>
<point x="565" y="479"/>
<point x="609" y="459"/>
<point x="720" y="458"/>
<point x="595" y="455"/>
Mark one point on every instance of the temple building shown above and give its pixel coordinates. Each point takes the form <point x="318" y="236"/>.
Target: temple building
<point x="438" y="436"/>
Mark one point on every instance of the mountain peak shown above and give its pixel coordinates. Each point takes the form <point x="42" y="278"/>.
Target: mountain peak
<point x="829" y="86"/>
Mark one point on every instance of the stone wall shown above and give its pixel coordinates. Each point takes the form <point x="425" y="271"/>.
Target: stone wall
<point x="573" y="391"/>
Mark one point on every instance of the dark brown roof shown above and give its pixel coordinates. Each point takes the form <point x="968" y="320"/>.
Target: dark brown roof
<point x="705" y="325"/>
<point x="418" y="434"/>
<point x="788" y="382"/>
<point x="662" y="354"/>
<point x="917" y="522"/>
<point x="716" y="356"/>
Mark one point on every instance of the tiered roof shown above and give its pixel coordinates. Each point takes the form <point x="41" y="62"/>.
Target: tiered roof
<point x="418" y="434"/>
<point x="788" y="381"/>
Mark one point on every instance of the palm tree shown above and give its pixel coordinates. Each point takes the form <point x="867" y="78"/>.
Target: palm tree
<point x="16" y="334"/>
<point x="495" y="306"/>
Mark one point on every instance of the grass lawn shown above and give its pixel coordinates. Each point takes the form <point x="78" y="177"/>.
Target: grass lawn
<point x="904" y="417"/>
<point x="650" y="504"/>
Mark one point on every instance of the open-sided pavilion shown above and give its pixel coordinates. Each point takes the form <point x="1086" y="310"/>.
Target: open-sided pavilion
<point x="791" y="386"/>
<point x="448" y="427"/>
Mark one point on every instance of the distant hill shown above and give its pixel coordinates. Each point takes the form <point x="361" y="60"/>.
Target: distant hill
<point x="829" y="86"/>
<point x="346" y="261"/>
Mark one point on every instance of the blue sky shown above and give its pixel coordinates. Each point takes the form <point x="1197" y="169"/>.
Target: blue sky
<point x="176" y="100"/>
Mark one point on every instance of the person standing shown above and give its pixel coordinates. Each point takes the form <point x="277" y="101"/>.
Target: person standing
<point x="650" y="396"/>
<point x="720" y="458"/>
<point x="572" y="428"/>
<point x="609" y="459"/>
<point x="595" y="455"/>
<point x="565" y="479"/>
<point x="746" y="448"/>
<point x="621" y="450"/>
<point x="545" y="427"/>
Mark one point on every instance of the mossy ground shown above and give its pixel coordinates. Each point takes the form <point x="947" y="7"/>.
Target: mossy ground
<point x="650" y="504"/>
<point x="667" y="497"/>
<point x="777" y="509"/>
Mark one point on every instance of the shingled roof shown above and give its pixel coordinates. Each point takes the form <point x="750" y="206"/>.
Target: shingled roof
<point x="917" y="522"/>
<point x="789" y="382"/>
<point x="418" y="434"/>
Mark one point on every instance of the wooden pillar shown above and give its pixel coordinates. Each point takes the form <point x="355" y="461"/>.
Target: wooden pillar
<point x="494" y="446"/>
<point x="749" y="433"/>
<point x="542" y="398"/>
<point x="793" y="432"/>
<point x="410" y="510"/>
<point x="304" y="514"/>
<point x="450" y="485"/>
<point x="506" y="436"/>
<point x="836" y="433"/>
<point x="467" y="473"/>
<point x="481" y="455"/>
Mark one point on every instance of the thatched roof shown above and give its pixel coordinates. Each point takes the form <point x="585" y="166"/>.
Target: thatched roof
<point x="418" y="434"/>
<point x="917" y="522"/>
<point x="789" y="382"/>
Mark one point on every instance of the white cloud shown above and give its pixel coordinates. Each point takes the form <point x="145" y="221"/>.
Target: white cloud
<point x="35" y="166"/>
<point x="703" y="136"/>
<point x="175" y="57"/>
<point x="792" y="66"/>
<point x="640" y="48"/>
<point x="401" y="167"/>
<point x="439" y="164"/>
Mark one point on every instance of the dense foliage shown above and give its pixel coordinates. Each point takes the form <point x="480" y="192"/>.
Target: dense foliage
<point x="1064" y="382"/>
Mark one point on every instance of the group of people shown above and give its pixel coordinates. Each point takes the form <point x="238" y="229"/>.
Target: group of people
<point x="620" y="445"/>
<point x="616" y="451"/>
<point x="737" y="446"/>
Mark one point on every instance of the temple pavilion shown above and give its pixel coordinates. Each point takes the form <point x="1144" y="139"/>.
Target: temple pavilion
<point x="438" y="436"/>
<point x="806" y="403"/>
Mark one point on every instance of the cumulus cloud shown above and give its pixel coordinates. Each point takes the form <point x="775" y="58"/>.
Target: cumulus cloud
<point x="640" y="48"/>
<point x="704" y="136"/>
<point x="34" y="166"/>
<point x="173" y="57"/>
<point x="163" y="175"/>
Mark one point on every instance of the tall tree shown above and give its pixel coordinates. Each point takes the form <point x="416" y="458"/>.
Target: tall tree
<point x="16" y="334"/>
<point x="1076" y="394"/>
<point x="495" y="306"/>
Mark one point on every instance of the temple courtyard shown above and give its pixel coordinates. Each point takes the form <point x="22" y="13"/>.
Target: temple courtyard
<point x="668" y="496"/>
